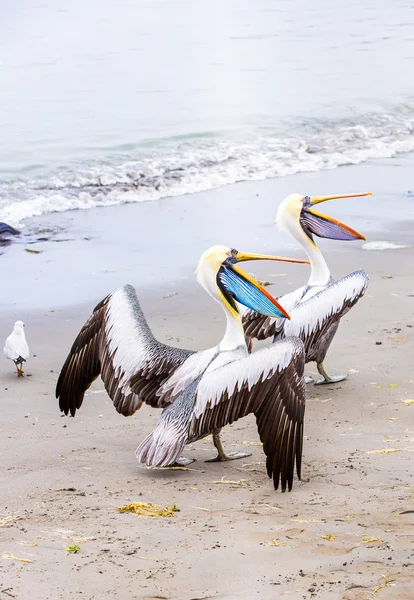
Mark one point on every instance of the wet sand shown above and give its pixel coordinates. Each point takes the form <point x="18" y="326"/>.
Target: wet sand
<point x="344" y="532"/>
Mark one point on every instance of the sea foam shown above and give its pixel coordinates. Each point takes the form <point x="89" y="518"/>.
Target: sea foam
<point x="189" y="164"/>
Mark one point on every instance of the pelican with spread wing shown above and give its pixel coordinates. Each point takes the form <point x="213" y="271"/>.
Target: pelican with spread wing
<point x="316" y="308"/>
<point x="199" y="392"/>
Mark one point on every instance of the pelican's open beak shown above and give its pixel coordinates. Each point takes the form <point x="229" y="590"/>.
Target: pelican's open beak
<point x="314" y="222"/>
<point x="238" y="285"/>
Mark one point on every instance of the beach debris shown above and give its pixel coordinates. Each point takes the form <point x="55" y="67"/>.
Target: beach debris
<point x="146" y="509"/>
<point x="269" y="506"/>
<point x="306" y="520"/>
<point x="170" y="295"/>
<point x="381" y="586"/>
<point x="408" y="401"/>
<point x="277" y="544"/>
<point x="329" y="537"/>
<point x="386" y="276"/>
<point x="371" y="541"/>
<point x="385" y="451"/>
<point x="11" y="556"/>
<point x="73" y="549"/>
<point x="384" y="246"/>
<point x="28" y="543"/>
<point x="239" y="483"/>
<point x="264" y="283"/>
<point x="174" y="468"/>
<point x="80" y="540"/>
<point x="33" y="251"/>
<point x="381" y="387"/>
<point x="246" y="443"/>
<point x="9" y="520"/>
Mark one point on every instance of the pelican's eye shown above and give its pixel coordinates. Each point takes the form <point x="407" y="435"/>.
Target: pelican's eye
<point x="306" y="201"/>
<point x="232" y="256"/>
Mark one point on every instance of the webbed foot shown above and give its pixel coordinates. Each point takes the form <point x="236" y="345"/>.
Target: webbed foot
<point x="183" y="461"/>
<point x="221" y="455"/>
<point x="325" y="379"/>
<point x="230" y="456"/>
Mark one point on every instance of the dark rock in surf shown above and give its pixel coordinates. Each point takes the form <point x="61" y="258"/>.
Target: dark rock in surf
<point x="8" y="230"/>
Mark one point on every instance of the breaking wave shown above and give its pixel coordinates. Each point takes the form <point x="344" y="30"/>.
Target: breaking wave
<point x="188" y="164"/>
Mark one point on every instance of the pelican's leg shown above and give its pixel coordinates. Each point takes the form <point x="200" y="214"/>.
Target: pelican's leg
<point x="327" y="378"/>
<point x="221" y="455"/>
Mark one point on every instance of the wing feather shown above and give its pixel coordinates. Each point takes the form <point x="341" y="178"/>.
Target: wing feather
<point x="270" y="384"/>
<point x="117" y="344"/>
<point x="312" y="316"/>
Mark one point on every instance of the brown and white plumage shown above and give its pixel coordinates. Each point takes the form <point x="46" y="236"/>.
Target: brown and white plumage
<point x="117" y="344"/>
<point x="316" y="308"/>
<point x="199" y="391"/>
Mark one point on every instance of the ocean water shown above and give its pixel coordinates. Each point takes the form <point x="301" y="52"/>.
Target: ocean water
<point x="106" y="102"/>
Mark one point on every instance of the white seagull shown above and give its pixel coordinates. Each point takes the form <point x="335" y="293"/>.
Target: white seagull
<point x="16" y="348"/>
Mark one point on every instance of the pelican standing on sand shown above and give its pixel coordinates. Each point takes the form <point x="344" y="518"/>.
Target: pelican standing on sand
<point x="16" y="348"/>
<point x="316" y="308"/>
<point x="200" y="392"/>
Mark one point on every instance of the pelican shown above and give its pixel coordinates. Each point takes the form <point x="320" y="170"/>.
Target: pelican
<point x="199" y="392"/>
<point x="317" y="307"/>
<point x="16" y="348"/>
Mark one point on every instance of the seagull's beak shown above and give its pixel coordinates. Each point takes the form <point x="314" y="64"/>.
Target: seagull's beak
<point x="236" y="284"/>
<point x="314" y="222"/>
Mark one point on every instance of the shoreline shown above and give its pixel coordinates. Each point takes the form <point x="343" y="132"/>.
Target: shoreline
<point x="344" y="530"/>
<point x="108" y="247"/>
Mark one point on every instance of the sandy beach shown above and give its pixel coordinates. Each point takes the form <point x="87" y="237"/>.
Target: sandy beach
<point x="345" y="532"/>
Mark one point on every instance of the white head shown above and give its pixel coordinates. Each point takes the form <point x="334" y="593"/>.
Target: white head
<point x="297" y="215"/>
<point x="19" y="325"/>
<point x="227" y="283"/>
<point x="208" y="267"/>
<point x="288" y="213"/>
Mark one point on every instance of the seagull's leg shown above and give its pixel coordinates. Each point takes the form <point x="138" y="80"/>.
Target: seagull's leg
<point x="17" y="367"/>
<point x="327" y="378"/>
<point x="221" y="455"/>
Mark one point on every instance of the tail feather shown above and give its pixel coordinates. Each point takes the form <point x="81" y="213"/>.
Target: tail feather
<point x="164" y="445"/>
<point x="19" y="360"/>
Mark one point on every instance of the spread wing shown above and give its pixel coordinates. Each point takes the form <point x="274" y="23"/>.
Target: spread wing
<point x="312" y="316"/>
<point x="270" y="384"/>
<point x="117" y="344"/>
